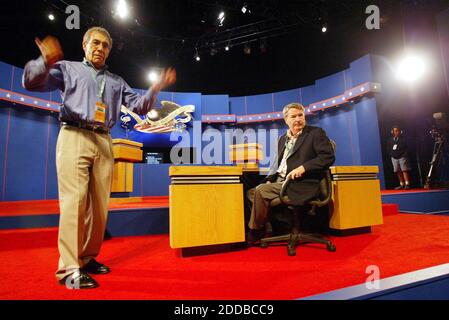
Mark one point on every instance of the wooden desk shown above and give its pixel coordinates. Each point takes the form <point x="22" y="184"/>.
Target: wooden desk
<point x="206" y="206"/>
<point x="356" y="198"/>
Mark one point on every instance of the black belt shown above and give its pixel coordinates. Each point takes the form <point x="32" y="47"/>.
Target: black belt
<point x="90" y="127"/>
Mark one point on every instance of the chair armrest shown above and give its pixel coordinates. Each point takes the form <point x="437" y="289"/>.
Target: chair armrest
<point x="283" y="195"/>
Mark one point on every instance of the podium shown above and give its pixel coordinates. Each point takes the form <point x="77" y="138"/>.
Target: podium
<point x="125" y="153"/>
<point x="356" y="199"/>
<point x="206" y="206"/>
<point x="246" y="155"/>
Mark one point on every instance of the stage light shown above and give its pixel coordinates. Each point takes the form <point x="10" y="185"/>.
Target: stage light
<point x="221" y="18"/>
<point x="153" y="76"/>
<point x="227" y="48"/>
<point x="197" y="57"/>
<point x="122" y="9"/>
<point x="51" y="16"/>
<point x="411" y="68"/>
<point x="324" y="28"/>
<point x="245" y="9"/>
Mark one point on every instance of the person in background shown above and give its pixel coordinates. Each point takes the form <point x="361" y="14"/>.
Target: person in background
<point x="397" y="149"/>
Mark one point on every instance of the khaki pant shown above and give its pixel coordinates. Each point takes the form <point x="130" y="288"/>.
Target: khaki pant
<point x="84" y="163"/>
<point x="260" y="198"/>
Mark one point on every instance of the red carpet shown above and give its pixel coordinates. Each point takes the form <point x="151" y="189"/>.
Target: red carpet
<point x="145" y="267"/>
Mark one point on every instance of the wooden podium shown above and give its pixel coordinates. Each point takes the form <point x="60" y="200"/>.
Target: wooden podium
<point x="125" y="153"/>
<point x="246" y="155"/>
<point x="206" y="206"/>
<point x="356" y="199"/>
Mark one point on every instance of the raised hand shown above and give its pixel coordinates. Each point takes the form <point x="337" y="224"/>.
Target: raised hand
<point x="50" y="49"/>
<point x="168" y="77"/>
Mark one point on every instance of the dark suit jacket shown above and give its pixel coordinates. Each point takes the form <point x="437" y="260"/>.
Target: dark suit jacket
<point x="312" y="150"/>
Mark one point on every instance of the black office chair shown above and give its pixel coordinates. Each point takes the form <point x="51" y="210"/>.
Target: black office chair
<point x="294" y="238"/>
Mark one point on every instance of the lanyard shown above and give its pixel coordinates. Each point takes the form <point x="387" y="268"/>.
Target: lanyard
<point x="100" y="85"/>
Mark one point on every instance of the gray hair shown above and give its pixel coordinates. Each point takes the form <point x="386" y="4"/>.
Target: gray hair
<point x="293" y="105"/>
<point x="88" y="33"/>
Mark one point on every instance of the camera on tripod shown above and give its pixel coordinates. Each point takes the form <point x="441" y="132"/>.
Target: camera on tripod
<point x="439" y="133"/>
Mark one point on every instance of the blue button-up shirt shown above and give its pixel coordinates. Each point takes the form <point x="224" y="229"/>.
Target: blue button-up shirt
<point x="80" y="85"/>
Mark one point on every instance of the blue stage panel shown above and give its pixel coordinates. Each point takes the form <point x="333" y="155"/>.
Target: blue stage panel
<point x="51" y="185"/>
<point x="138" y="222"/>
<point x="429" y="202"/>
<point x="340" y="126"/>
<point x="308" y="95"/>
<point x="6" y="73"/>
<point x="215" y="104"/>
<point x="30" y="221"/>
<point x="128" y="222"/>
<point x="330" y="86"/>
<point x="237" y="105"/>
<point x="361" y="71"/>
<point x="4" y="116"/>
<point x="155" y="179"/>
<point x="261" y="103"/>
<point x="26" y="162"/>
<point x="282" y="98"/>
<point x="369" y="135"/>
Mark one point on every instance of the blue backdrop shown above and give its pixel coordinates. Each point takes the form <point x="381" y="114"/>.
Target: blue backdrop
<point x="28" y="134"/>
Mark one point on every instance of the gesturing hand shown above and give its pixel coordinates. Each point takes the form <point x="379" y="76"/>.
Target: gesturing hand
<point x="50" y="49"/>
<point x="168" y="77"/>
<point x="297" y="173"/>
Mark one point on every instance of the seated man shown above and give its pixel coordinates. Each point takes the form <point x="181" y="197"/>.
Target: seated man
<point x="303" y="152"/>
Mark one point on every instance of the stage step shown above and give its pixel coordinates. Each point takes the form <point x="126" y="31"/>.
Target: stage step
<point x="390" y="209"/>
<point x="130" y="217"/>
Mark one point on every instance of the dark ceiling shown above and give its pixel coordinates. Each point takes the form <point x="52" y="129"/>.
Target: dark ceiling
<point x="288" y="49"/>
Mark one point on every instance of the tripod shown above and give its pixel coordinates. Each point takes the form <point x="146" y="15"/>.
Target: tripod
<point x="437" y="150"/>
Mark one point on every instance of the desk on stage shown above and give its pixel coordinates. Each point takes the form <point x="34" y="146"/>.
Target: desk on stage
<point x="206" y="206"/>
<point x="356" y="199"/>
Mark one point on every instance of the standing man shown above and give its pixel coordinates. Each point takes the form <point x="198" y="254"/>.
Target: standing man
<point x="92" y="97"/>
<point x="304" y="152"/>
<point x="397" y="148"/>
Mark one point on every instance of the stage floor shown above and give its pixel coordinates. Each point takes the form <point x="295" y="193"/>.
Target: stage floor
<point x="145" y="267"/>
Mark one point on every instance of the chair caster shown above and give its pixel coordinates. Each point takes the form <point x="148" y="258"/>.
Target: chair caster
<point x="331" y="247"/>
<point x="264" y="245"/>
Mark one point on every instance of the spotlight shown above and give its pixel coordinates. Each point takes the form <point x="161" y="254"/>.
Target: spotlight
<point x="324" y="28"/>
<point x="221" y="18"/>
<point x="197" y="57"/>
<point x="411" y="68"/>
<point x="227" y="48"/>
<point x="51" y="16"/>
<point x="153" y="76"/>
<point x="122" y="9"/>
<point x="245" y="9"/>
